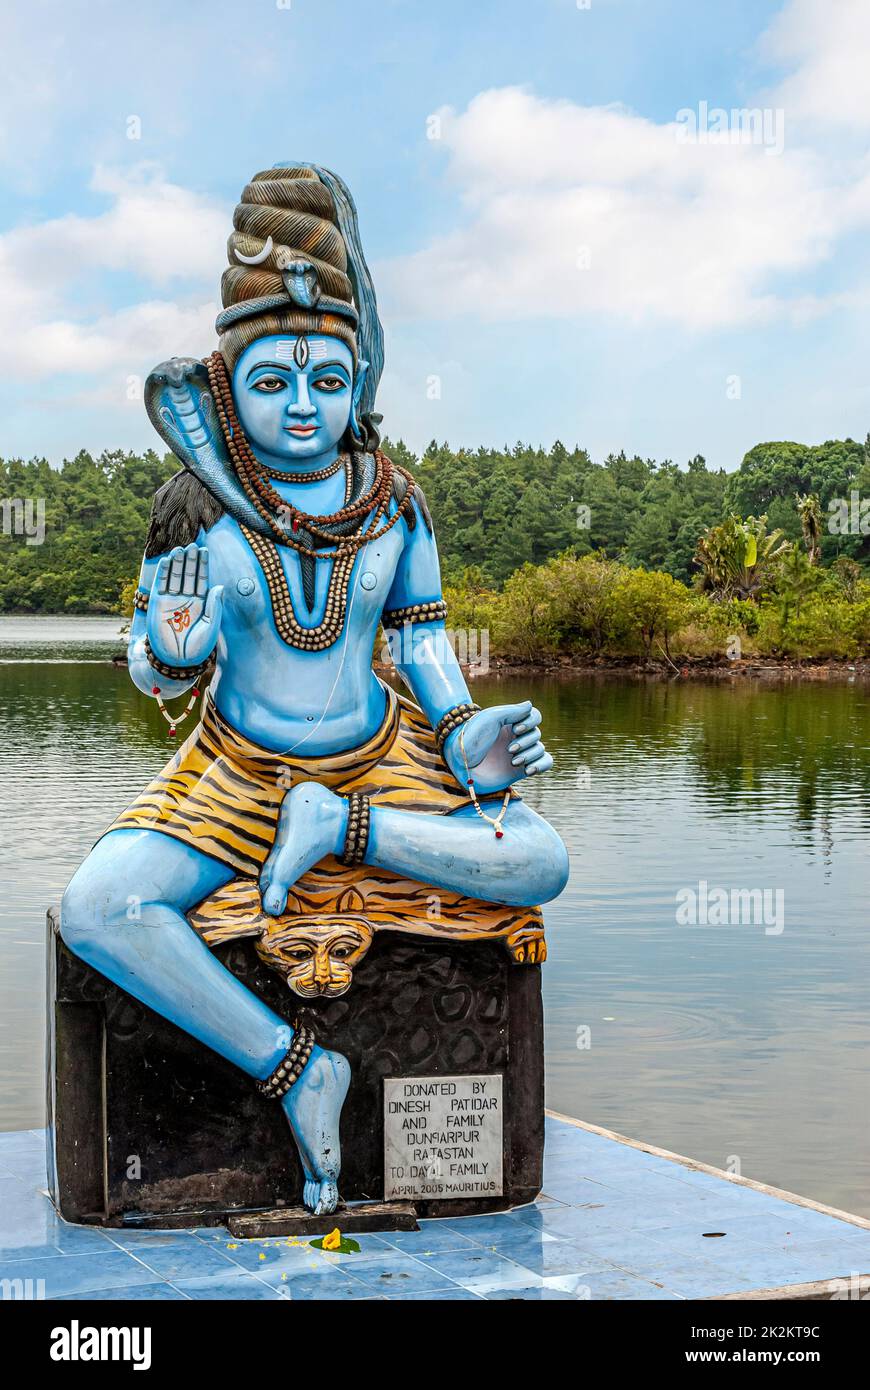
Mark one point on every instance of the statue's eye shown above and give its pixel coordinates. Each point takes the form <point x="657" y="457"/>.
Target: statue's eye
<point x="300" y="954"/>
<point x="330" y="383"/>
<point x="269" y="384"/>
<point x="340" y="952"/>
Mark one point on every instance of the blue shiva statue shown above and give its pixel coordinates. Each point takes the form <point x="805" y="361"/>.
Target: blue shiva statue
<point x="311" y="804"/>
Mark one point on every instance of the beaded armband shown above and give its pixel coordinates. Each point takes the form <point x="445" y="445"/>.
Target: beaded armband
<point x="175" y="673"/>
<point x="434" y="612"/>
<point x="140" y="600"/>
<point x="357" y="837"/>
<point x="451" y="720"/>
<point x="289" y="1070"/>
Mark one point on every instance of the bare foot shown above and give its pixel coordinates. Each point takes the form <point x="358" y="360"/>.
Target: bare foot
<point x="312" y="824"/>
<point x="313" y="1107"/>
<point x="321" y="1198"/>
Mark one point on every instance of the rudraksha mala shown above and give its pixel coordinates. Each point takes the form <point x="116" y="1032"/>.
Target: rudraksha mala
<point x="269" y="503"/>
<point x="316" y="476"/>
<point x="451" y="720"/>
<point x="290" y="1068"/>
<point x="175" y="673"/>
<point x="357" y="836"/>
<point x="435" y="611"/>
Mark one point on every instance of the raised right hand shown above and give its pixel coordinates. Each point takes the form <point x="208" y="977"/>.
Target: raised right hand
<point x="184" y="615"/>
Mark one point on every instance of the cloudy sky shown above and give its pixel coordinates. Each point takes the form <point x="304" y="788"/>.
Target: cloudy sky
<point x="560" y="250"/>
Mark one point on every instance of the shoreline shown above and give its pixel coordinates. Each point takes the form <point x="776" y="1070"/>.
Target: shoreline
<point x="762" y="669"/>
<point x="769" y="669"/>
<point x="703" y="669"/>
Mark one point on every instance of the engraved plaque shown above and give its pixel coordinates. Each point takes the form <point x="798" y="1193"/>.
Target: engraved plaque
<point x="442" y="1136"/>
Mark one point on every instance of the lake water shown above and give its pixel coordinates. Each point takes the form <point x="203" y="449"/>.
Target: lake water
<point x="742" y="1045"/>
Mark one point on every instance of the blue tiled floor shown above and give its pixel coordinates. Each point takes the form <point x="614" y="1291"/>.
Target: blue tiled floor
<point x="613" y="1223"/>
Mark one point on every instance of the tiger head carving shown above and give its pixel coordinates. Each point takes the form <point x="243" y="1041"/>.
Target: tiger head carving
<point x="316" y="955"/>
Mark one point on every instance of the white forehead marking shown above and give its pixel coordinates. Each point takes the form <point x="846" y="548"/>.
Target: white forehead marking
<point x="284" y="349"/>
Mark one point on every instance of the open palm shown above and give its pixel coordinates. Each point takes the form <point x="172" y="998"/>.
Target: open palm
<point x="184" y="614"/>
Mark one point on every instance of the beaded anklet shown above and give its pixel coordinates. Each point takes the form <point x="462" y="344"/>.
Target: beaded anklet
<point x="289" y="1070"/>
<point x="358" y="822"/>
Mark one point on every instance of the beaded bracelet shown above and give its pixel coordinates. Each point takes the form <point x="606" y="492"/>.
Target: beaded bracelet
<point x="140" y="600"/>
<point x="358" y="821"/>
<point x="290" y="1068"/>
<point x="451" y="720"/>
<point x="433" y="612"/>
<point x="175" y="673"/>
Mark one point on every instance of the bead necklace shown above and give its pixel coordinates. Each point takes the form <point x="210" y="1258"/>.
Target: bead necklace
<point x="268" y="502"/>
<point x="316" y="477"/>
<point x="252" y="475"/>
<point x="171" y="720"/>
<point x="290" y="630"/>
<point x="494" y="821"/>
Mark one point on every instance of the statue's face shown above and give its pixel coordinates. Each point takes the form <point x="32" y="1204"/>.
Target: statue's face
<point x="294" y="395"/>
<point x="316" y="955"/>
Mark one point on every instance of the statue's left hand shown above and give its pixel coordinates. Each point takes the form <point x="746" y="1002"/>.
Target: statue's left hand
<point x="501" y="745"/>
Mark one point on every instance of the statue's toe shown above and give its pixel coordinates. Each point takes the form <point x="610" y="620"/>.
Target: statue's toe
<point x="328" y="1198"/>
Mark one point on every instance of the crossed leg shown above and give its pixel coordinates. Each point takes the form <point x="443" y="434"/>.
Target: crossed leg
<point x="526" y="866"/>
<point x="123" y="913"/>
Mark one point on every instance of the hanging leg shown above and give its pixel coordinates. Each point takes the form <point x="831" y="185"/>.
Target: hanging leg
<point x="124" y="913"/>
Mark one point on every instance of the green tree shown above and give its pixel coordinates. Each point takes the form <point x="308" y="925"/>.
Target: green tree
<point x="654" y="608"/>
<point x="736" y="559"/>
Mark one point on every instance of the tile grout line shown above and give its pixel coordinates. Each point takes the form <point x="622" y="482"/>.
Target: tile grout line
<point x="570" y="1157"/>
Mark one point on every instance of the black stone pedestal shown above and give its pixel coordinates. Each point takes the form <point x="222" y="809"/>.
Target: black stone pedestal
<point x="149" y="1127"/>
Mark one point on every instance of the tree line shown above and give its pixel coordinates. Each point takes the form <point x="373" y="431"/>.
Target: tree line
<point x="497" y="512"/>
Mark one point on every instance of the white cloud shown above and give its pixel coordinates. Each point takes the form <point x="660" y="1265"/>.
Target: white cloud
<point x="565" y="211"/>
<point x="828" y="46"/>
<point x="52" y="280"/>
<point x="573" y="210"/>
<point x="126" y="342"/>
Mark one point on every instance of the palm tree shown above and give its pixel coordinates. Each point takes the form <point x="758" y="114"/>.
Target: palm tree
<point x="810" y="512"/>
<point x="736" y="558"/>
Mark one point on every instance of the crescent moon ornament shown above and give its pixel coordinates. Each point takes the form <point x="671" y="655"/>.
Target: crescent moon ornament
<point x="260" y="256"/>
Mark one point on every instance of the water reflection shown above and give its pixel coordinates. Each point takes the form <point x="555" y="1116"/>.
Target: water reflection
<point x="724" y="1043"/>
<point x="743" y="1049"/>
